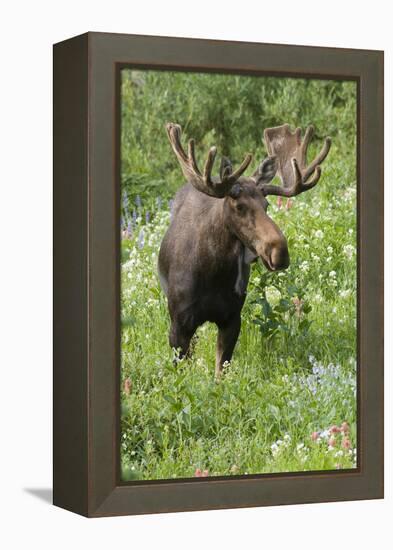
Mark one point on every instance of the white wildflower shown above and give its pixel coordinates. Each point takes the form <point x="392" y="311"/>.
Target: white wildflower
<point x="273" y="295"/>
<point x="304" y="266"/>
<point x="349" y="250"/>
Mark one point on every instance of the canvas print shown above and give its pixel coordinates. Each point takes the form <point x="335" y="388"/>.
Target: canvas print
<point x="238" y="275"/>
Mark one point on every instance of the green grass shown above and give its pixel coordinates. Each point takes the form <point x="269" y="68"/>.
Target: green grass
<point x="293" y="373"/>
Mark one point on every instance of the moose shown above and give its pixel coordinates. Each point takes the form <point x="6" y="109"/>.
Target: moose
<point x="220" y="226"/>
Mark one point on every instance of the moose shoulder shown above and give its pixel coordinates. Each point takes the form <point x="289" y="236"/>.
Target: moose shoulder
<point x="219" y="226"/>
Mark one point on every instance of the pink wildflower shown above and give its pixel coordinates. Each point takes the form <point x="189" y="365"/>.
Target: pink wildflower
<point x="345" y="427"/>
<point x="314" y="436"/>
<point x="298" y="303"/>
<point x="334" y="430"/>
<point x="346" y="443"/>
<point x="332" y="442"/>
<point x="201" y="473"/>
<point x="279" y="202"/>
<point x="127" y="386"/>
<point x="289" y="204"/>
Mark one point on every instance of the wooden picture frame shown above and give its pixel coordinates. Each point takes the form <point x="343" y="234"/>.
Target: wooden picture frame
<point x="86" y="274"/>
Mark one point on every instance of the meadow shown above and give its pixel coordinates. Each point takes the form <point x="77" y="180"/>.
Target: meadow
<point x="287" y="401"/>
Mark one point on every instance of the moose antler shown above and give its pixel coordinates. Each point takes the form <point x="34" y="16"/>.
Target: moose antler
<point x="291" y="154"/>
<point x="215" y="187"/>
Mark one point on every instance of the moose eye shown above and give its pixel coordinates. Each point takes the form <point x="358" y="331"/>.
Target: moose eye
<point x="240" y="208"/>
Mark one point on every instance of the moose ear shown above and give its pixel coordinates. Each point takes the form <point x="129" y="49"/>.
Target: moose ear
<point x="225" y="168"/>
<point x="265" y="171"/>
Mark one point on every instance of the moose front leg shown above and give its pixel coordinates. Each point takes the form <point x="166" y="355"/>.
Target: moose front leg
<point x="180" y="338"/>
<point x="226" y="342"/>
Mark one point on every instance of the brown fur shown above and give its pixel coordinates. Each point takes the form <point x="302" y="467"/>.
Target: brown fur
<point x="200" y="257"/>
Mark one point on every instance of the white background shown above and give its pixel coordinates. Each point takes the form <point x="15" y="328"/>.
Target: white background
<point x="28" y="30"/>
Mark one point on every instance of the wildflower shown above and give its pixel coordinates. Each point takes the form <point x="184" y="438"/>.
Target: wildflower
<point x="234" y="469"/>
<point x="147" y="216"/>
<point x="332" y="274"/>
<point x="329" y="249"/>
<point x="274" y="448"/>
<point x="346" y="443"/>
<point x="332" y="442"/>
<point x="335" y="430"/>
<point x="134" y="217"/>
<point x="125" y="200"/>
<point x="279" y="202"/>
<point x="201" y="473"/>
<point x="315" y="436"/>
<point x="345" y="293"/>
<point x="349" y="250"/>
<point x="319" y="233"/>
<point x="273" y="295"/>
<point x="289" y="204"/>
<point x="304" y="266"/>
<point x="345" y="427"/>
<point x="127" y="386"/>
<point x="138" y="201"/>
<point x="159" y="203"/>
<point x="298" y="303"/>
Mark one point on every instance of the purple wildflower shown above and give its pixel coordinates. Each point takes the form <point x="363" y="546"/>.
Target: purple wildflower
<point x="125" y="200"/>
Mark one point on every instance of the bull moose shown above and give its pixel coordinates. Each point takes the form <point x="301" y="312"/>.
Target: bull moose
<point x="220" y="225"/>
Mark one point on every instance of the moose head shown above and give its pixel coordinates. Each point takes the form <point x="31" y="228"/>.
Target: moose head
<point x="220" y="225"/>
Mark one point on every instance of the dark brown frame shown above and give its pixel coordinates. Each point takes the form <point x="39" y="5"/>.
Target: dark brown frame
<point x="86" y="274"/>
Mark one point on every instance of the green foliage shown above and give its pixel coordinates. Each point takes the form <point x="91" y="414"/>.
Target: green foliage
<point x="293" y="374"/>
<point x="228" y="111"/>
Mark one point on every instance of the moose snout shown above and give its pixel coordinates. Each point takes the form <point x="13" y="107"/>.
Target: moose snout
<point x="279" y="257"/>
<point x="275" y="254"/>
